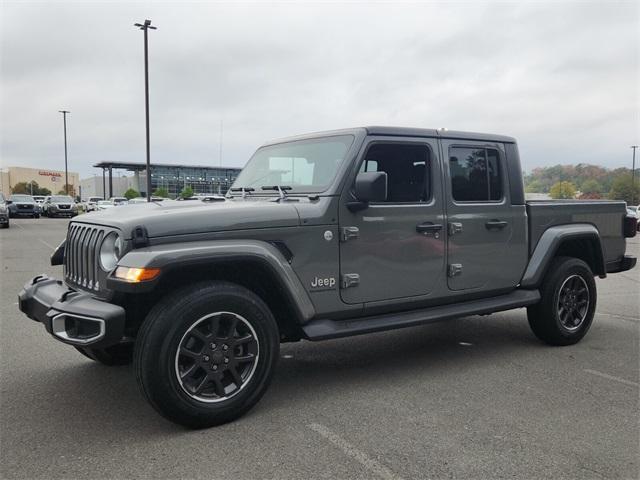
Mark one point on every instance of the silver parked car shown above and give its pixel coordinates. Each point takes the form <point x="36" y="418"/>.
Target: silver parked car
<point x="60" y="206"/>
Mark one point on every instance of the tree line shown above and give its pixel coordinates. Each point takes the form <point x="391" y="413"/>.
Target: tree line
<point x="584" y="181"/>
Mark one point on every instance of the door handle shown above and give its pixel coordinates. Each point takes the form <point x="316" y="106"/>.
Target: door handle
<point x="496" y="224"/>
<point x="429" y="228"/>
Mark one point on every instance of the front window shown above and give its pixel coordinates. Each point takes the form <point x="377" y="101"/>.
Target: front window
<point x="62" y="199"/>
<point x="307" y="166"/>
<point x="22" y="198"/>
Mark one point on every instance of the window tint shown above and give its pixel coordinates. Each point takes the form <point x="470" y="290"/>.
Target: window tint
<point x="475" y="174"/>
<point x="407" y="168"/>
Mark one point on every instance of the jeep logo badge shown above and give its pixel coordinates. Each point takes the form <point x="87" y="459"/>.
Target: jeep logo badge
<point x="328" y="283"/>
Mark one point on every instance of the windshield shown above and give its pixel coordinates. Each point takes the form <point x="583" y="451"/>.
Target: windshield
<point x="307" y="166"/>
<point x="21" y="198"/>
<point x="61" y="199"/>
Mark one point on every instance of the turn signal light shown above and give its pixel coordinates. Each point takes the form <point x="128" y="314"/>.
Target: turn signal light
<point x="136" y="275"/>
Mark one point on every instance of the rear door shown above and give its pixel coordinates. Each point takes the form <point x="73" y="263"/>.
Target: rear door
<point x="395" y="249"/>
<point x="487" y="235"/>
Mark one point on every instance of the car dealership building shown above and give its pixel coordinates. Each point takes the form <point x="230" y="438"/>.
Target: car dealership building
<point x="45" y="178"/>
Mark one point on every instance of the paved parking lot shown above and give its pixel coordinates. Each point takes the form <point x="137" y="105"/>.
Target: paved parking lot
<point x="478" y="397"/>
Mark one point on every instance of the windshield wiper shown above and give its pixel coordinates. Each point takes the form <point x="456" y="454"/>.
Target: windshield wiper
<point x="280" y="188"/>
<point x="244" y="190"/>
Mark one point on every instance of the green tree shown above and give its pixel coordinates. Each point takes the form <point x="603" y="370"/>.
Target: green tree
<point x="622" y="189"/>
<point x="131" y="193"/>
<point x="27" y="188"/>
<point x="562" y="190"/>
<point x="161" y="192"/>
<point x="591" y="186"/>
<point x="186" y="192"/>
<point x="535" y="186"/>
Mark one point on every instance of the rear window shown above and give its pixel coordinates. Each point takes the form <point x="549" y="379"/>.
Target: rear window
<point x="475" y="174"/>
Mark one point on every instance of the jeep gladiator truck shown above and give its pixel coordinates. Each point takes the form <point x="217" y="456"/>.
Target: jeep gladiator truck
<point x="322" y="236"/>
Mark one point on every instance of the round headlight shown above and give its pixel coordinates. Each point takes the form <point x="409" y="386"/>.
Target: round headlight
<point x="110" y="251"/>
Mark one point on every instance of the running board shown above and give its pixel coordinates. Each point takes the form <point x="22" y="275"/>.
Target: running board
<point x="325" y="329"/>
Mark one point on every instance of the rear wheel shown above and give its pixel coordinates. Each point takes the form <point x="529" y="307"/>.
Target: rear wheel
<point x="206" y="354"/>
<point x="120" y="354"/>
<point x="565" y="312"/>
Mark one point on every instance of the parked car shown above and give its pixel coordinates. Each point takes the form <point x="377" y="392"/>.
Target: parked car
<point x="104" y="205"/>
<point x="144" y="200"/>
<point x="92" y="203"/>
<point x="39" y="199"/>
<point x="60" y="206"/>
<point x="23" y="206"/>
<point x="4" y="212"/>
<point x="380" y="228"/>
<point x="118" y="201"/>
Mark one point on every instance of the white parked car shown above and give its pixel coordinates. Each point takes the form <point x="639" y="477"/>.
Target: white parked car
<point x="92" y="203"/>
<point x="117" y="201"/>
<point x="104" y="205"/>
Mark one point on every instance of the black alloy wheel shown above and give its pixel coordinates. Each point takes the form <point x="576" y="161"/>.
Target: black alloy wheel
<point x="216" y="357"/>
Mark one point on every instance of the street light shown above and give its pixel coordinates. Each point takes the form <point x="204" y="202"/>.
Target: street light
<point x="633" y="176"/>
<point x="144" y="27"/>
<point x="66" y="171"/>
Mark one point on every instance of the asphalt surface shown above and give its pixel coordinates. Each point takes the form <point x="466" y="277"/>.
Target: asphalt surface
<point x="477" y="397"/>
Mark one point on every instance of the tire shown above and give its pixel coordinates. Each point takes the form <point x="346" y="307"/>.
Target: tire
<point x="120" y="354"/>
<point x="565" y="312"/>
<point x="210" y="324"/>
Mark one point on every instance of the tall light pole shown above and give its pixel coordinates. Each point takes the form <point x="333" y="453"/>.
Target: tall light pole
<point x="633" y="175"/>
<point x="66" y="171"/>
<point x="144" y="27"/>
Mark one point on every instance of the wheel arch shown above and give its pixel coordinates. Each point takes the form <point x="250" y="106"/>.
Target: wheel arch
<point x="576" y="240"/>
<point x="256" y="265"/>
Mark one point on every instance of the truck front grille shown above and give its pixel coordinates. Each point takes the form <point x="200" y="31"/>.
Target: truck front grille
<point x="81" y="256"/>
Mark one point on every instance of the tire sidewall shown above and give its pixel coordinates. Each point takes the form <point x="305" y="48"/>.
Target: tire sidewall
<point x="568" y="268"/>
<point x="157" y="360"/>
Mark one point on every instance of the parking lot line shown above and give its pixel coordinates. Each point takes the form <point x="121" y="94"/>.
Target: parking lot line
<point x="611" y="377"/>
<point x="41" y="241"/>
<point x="351" y="451"/>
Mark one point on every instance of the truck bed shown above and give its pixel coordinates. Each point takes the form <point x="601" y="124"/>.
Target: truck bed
<point x="606" y="216"/>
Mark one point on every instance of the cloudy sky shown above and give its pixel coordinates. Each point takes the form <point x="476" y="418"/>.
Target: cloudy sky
<point x="561" y="77"/>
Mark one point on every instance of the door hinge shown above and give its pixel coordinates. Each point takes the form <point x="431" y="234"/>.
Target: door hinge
<point x="350" y="280"/>
<point x="455" y="227"/>
<point x="348" y="233"/>
<point x="455" y="269"/>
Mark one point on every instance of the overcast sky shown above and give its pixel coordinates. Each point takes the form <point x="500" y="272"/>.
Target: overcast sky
<point x="561" y="77"/>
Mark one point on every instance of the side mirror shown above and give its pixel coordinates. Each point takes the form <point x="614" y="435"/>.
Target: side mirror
<point x="370" y="187"/>
<point x="8" y="202"/>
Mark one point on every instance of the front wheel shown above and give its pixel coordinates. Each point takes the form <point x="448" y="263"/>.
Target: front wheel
<point x="568" y="304"/>
<point x="206" y="354"/>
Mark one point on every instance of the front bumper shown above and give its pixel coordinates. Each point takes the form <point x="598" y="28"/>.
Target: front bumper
<point x="21" y="212"/>
<point x="57" y="212"/>
<point x="70" y="316"/>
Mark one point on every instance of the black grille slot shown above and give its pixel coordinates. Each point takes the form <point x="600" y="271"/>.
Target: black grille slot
<point x="81" y="267"/>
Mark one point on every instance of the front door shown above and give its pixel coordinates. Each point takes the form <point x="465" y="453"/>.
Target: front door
<point x="396" y="248"/>
<point x="487" y="245"/>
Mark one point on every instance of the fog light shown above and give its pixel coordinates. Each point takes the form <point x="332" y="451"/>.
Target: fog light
<point x="135" y="275"/>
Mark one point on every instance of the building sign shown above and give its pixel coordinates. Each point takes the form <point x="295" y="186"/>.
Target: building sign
<point x="49" y="174"/>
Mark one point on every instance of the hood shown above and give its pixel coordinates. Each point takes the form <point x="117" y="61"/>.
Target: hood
<point x="179" y="218"/>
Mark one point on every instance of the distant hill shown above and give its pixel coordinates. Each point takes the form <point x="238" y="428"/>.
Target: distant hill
<point x="591" y="179"/>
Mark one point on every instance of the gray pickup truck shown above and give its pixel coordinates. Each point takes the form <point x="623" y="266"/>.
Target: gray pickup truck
<point x="322" y="236"/>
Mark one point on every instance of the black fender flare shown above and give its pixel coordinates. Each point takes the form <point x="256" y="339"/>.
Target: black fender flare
<point x="548" y="246"/>
<point x="169" y="256"/>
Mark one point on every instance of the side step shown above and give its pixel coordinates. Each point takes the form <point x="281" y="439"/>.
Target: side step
<point x="325" y="329"/>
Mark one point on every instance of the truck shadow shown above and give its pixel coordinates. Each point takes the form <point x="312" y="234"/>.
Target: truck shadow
<point x="84" y="398"/>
